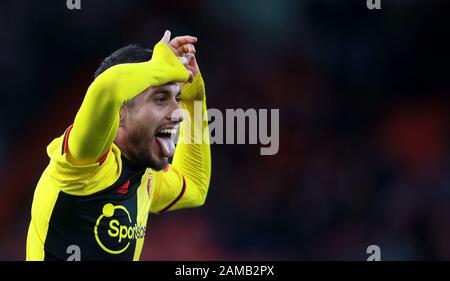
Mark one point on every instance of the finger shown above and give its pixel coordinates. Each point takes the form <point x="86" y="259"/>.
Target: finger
<point x="181" y="40"/>
<point x="166" y="37"/>
<point x="191" y="61"/>
<point x="190" y="68"/>
<point x="183" y="60"/>
<point x="191" y="48"/>
<point x="185" y="49"/>
<point x="191" y="76"/>
<point x="189" y="58"/>
<point x="180" y="51"/>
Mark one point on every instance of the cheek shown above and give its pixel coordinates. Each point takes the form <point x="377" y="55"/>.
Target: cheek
<point x="147" y="119"/>
<point x="153" y="116"/>
<point x="146" y="127"/>
<point x="151" y="113"/>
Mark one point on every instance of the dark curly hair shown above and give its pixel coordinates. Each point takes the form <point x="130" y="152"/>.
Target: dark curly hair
<point x="128" y="54"/>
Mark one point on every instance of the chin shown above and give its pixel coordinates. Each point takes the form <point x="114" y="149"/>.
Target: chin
<point x="159" y="164"/>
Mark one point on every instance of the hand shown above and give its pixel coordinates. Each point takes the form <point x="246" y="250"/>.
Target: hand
<point x="183" y="47"/>
<point x="191" y="65"/>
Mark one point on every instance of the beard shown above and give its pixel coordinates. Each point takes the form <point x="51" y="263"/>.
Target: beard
<point x="140" y="151"/>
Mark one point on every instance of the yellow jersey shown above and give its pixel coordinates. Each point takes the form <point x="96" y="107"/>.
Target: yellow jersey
<point x="101" y="208"/>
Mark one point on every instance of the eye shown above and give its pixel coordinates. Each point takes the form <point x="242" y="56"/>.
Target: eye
<point x="160" y="99"/>
<point x="178" y="98"/>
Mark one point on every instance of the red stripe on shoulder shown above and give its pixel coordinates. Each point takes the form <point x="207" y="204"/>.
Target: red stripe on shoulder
<point x="66" y="145"/>
<point x="176" y="199"/>
<point x="66" y="139"/>
<point x="103" y="158"/>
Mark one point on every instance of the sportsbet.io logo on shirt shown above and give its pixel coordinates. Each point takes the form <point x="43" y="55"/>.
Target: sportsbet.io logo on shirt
<point x="114" y="230"/>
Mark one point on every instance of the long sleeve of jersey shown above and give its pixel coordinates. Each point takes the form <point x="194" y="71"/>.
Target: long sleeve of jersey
<point x="185" y="183"/>
<point x="97" y="121"/>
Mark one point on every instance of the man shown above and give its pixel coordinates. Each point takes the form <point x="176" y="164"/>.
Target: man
<point x="111" y="167"/>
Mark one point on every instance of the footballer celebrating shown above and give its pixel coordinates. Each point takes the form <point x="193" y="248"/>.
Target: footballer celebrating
<point x="111" y="167"/>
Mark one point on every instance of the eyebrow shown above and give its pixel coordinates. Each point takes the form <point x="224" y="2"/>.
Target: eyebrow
<point x="165" y="92"/>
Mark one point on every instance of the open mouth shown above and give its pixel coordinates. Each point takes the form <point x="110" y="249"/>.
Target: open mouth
<point x="164" y="137"/>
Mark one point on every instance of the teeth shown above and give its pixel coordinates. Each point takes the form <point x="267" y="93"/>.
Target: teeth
<point x="168" y="131"/>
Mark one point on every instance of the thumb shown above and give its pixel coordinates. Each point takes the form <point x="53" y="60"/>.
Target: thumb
<point x="166" y="37"/>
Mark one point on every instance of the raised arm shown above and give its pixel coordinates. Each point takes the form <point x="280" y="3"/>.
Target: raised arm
<point x="97" y="120"/>
<point x="185" y="183"/>
<point x="193" y="156"/>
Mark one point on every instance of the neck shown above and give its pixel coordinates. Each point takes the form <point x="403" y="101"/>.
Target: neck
<point x="121" y="140"/>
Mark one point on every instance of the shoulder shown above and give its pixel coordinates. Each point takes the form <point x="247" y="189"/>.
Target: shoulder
<point x="85" y="179"/>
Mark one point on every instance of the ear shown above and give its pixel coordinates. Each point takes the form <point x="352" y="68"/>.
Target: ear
<point x="123" y="115"/>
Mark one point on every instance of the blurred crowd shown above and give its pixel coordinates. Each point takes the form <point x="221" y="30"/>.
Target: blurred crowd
<point x="363" y="95"/>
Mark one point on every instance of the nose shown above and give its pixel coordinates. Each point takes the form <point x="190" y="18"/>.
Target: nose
<point x="177" y="114"/>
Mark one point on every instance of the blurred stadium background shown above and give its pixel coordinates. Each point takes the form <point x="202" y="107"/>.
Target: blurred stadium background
<point x="364" y="121"/>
